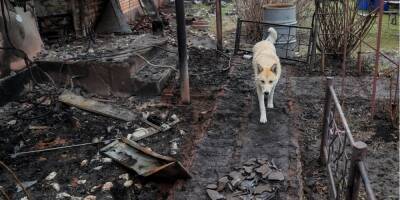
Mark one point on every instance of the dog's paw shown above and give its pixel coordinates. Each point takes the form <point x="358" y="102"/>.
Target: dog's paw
<point x="270" y="105"/>
<point x="263" y="119"/>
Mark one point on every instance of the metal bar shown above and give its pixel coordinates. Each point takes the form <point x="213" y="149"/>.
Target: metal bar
<point x="290" y="59"/>
<point x="237" y="38"/>
<point x="382" y="54"/>
<point x="341" y="115"/>
<point x="332" y="181"/>
<point x="182" y="51"/>
<point x="325" y="129"/>
<point x="58" y="148"/>
<point x="264" y="23"/>
<point x="378" y="48"/>
<point x="365" y="179"/>
<point x="344" y="43"/>
<point x="218" y="14"/>
<point x="358" y="154"/>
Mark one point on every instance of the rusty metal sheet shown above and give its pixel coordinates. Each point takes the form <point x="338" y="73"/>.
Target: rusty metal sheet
<point x="144" y="161"/>
<point x="96" y="107"/>
<point x="24" y="35"/>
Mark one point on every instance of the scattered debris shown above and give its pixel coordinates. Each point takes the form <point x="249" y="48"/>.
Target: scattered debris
<point x="51" y="176"/>
<point x="63" y="195"/>
<point x="247" y="56"/>
<point x="128" y="183"/>
<point x="141" y="133"/>
<point x="174" y="147"/>
<point x="56" y="186"/>
<point x="106" y="160"/>
<point x="256" y="179"/>
<point x="84" y="163"/>
<point x="107" y="186"/>
<point x="90" y="197"/>
<point x="33" y="127"/>
<point x="12" y="122"/>
<point x="98" y="168"/>
<point x="212" y="186"/>
<point x="124" y="176"/>
<point x="26" y="184"/>
<point x="81" y="182"/>
<point x="214" y="195"/>
<point x="276" y="176"/>
<point x="96" y="107"/>
<point x="143" y="161"/>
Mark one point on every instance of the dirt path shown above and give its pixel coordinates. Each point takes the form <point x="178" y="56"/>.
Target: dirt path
<point x="236" y="136"/>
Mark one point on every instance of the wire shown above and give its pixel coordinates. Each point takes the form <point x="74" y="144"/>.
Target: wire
<point x="16" y="180"/>
<point x="151" y="64"/>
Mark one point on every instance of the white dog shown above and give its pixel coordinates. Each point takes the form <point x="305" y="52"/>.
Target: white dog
<point x="267" y="71"/>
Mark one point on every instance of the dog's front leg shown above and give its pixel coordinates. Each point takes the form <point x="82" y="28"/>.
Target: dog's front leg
<point x="270" y="103"/>
<point x="263" y="117"/>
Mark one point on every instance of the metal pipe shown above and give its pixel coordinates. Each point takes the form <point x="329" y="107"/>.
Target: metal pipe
<point x="378" y="48"/>
<point x="182" y="51"/>
<point x="218" y="14"/>
<point x="367" y="183"/>
<point x="344" y="43"/>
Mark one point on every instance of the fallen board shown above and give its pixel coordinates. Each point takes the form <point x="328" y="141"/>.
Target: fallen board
<point x="90" y="105"/>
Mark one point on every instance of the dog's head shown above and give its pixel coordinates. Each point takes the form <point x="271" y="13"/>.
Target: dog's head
<point x="266" y="77"/>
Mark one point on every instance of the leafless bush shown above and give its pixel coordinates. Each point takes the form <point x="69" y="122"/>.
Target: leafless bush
<point x="335" y="19"/>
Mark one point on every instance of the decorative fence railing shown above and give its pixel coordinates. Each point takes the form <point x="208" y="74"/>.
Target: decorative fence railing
<point x="342" y="156"/>
<point x="295" y="43"/>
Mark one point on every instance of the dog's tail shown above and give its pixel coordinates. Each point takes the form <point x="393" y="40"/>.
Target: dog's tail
<point x="273" y="35"/>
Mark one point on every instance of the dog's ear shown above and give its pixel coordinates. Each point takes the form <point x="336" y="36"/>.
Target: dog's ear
<point x="274" y="68"/>
<point x="259" y="68"/>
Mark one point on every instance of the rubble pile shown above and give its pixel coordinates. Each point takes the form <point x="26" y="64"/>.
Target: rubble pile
<point x="85" y="49"/>
<point x="256" y="179"/>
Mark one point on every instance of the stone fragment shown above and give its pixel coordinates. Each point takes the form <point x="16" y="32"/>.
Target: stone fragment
<point x="250" y="162"/>
<point x="262" y="161"/>
<point x="12" y="122"/>
<point x="124" y="176"/>
<point x="51" y="176"/>
<point x="276" y="176"/>
<point x="262" y="188"/>
<point x="263" y="169"/>
<point x="63" y="195"/>
<point x="248" y="169"/>
<point x="214" y="195"/>
<point x="26" y="185"/>
<point x="106" y="160"/>
<point x="90" y="197"/>
<point x="212" y="186"/>
<point x="56" y="186"/>
<point x="84" y="163"/>
<point x="107" y="186"/>
<point x="128" y="183"/>
<point x="246" y="185"/>
<point x="222" y="183"/>
<point x="98" y="168"/>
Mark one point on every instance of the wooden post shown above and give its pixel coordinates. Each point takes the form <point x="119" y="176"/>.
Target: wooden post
<point x="325" y="129"/>
<point x="354" y="180"/>
<point x="218" y="16"/>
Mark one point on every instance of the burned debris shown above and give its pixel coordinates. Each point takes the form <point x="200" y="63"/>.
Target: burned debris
<point x="96" y="102"/>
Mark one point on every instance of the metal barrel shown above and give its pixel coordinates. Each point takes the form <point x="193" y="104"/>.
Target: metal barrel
<point x="282" y="14"/>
